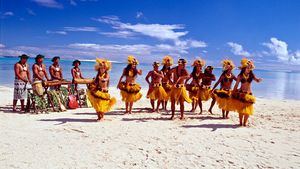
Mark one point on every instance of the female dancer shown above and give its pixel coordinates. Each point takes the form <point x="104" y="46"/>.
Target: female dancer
<point x="156" y="91"/>
<point x="204" y="93"/>
<point x="166" y="81"/>
<point x="222" y="96"/>
<point x="194" y="86"/>
<point x="98" y="90"/>
<point x="243" y="99"/>
<point x="130" y="90"/>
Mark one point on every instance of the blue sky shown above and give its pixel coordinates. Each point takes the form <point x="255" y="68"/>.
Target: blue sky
<point x="266" y="31"/>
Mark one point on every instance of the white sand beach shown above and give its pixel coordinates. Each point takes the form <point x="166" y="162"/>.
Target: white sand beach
<point x="73" y="139"/>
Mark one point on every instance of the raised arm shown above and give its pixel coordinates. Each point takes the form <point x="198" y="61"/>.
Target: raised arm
<point x="257" y="79"/>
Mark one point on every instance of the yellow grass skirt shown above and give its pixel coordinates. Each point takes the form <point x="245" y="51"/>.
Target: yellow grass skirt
<point x="204" y="94"/>
<point x="130" y="92"/>
<point x="243" y="103"/>
<point x="157" y="93"/>
<point x="180" y="94"/>
<point x="193" y="92"/>
<point x="168" y="89"/>
<point x="101" y="101"/>
<point x="224" y="100"/>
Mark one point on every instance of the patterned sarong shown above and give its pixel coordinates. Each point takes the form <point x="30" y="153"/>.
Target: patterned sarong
<point x="20" y="91"/>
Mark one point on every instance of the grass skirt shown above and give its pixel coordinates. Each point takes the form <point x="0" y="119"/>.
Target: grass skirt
<point x="101" y="101"/>
<point x="180" y="94"/>
<point x="243" y="103"/>
<point x="193" y="91"/>
<point x="168" y="89"/>
<point x="204" y="94"/>
<point x="130" y="92"/>
<point x="157" y="93"/>
<point x="224" y="100"/>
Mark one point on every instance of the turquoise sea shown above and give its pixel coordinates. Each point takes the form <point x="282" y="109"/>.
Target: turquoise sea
<point x="275" y="84"/>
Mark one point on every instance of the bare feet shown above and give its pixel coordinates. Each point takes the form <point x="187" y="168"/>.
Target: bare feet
<point x="157" y="110"/>
<point x="210" y="111"/>
<point x="14" y="109"/>
<point x="200" y="112"/>
<point x="172" y="118"/>
<point x="182" y="118"/>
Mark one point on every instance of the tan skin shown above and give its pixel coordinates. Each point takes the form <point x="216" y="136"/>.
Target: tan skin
<point x="245" y="87"/>
<point x="195" y="82"/>
<point x="166" y="79"/>
<point x="156" y="77"/>
<point x="103" y="84"/>
<point x="225" y="85"/>
<point x="129" y="80"/>
<point x="206" y="81"/>
<point x="39" y="71"/>
<point x="180" y="74"/>
<point x="76" y="73"/>
<point x="54" y="73"/>
<point x="23" y="75"/>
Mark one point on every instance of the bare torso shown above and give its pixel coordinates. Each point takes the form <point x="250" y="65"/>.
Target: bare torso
<point x="39" y="71"/>
<point x="21" y="71"/>
<point x="55" y="72"/>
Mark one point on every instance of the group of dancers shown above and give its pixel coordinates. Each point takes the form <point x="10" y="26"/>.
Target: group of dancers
<point x="169" y="84"/>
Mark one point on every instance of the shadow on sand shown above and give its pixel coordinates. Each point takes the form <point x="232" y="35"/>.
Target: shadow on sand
<point x="8" y="109"/>
<point x="214" y="127"/>
<point x="65" y="120"/>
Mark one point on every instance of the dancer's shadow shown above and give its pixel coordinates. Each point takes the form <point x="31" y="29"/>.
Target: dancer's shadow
<point x="65" y="120"/>
<point x="214" y="127"/>
<point x="111" y="113"/>
<point x="146" y="119"/>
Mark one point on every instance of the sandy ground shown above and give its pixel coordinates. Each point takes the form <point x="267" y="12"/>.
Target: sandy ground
<point x="73" y="139"/>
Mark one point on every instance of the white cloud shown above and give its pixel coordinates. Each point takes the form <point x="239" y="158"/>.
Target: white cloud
<point x="238" y="49"/>
<point x="9" y="13"/>
<point x="2" y="45"/>
<point x="49" y="3"/>
<point x="56" y="32"/>
<point x="139" y="15"/>
<point x="159" y="31"/>
<point x="118" y="34"/>
<point x="30" y="12"/>
<point x="81" y="29"/>
<point x="6" y="14"/>
<point x="279" y="49"/>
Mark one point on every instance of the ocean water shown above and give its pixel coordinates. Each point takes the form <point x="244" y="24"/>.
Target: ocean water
<point x="275" y="84"/>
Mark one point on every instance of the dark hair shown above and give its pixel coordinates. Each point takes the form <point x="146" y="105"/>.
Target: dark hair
<point x="127" y="69"/>
<point x="55" y="58"/>
<point x="251" y="74"/>
<point x="165" y="68"/>
<point x="76" y="61"/>
<point x="38" y="57"/>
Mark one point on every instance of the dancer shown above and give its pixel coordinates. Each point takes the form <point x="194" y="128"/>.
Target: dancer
<point x="179" y="93"/>
<point x="204" y="93"/>
<point x="222" y="95"/>
<point x="166" y="81"/>
<point x="243" y="98"/>
<point x="76" y="73"/>
<point x="22" y="77"/>
<point x="130" y="90"/>
<point x="194" y="86"/>
<point x="156" y="91"/>
<point x="98" y="90"/>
